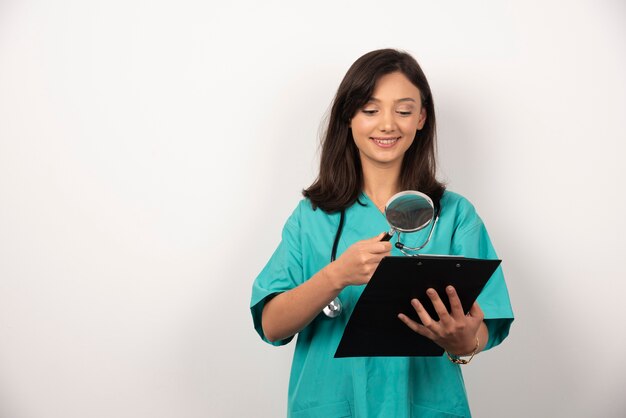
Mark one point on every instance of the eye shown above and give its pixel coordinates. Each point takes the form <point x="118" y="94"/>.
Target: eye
<point x="369" y="112"/>
<point x="404" y="113"/>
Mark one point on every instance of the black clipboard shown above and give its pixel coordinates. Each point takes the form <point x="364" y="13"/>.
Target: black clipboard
<point x="374" y="329"/>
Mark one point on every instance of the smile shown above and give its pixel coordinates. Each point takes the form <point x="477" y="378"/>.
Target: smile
<point x="385" y="142"/>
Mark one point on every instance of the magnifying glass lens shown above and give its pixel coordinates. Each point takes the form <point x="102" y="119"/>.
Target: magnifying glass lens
<point x="409" y="211"/>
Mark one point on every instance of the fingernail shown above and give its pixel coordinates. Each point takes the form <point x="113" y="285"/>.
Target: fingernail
<point x="431" y="292"/>
<point x="450" y="289"/>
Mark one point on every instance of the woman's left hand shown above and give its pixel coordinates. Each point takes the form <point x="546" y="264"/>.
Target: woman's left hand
<point x="455" y="331"/>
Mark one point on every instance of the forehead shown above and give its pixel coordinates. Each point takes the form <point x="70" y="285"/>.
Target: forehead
<point x="393" y="87"/>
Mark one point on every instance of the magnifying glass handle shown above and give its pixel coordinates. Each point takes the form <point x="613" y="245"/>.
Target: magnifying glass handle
<point x="386" y="237"/>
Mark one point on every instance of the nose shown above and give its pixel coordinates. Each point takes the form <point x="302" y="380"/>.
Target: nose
<point x="387" y="122"/>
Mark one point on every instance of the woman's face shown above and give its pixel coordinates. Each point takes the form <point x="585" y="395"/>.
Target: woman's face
<point x="385" y="127"/>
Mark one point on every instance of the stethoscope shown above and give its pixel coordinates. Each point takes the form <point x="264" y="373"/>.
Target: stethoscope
<point x="335" y="307"/>
<point x="408" y="211"/>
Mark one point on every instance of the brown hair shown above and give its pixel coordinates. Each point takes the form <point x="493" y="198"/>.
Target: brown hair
<point x="340" y="179"/>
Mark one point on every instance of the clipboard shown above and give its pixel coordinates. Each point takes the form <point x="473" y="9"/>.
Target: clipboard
<point x="374" y="329"/>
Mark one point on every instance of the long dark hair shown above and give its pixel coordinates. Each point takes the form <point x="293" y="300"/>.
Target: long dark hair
<point x="340" y="179"/>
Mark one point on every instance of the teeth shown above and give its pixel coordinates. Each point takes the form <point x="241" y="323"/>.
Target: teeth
<point x="386" y="141"/>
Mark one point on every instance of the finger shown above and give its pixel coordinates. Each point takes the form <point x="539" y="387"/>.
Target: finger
<point x="476" y="312"/>
<point x="456" y="308"/>
<point x="419" y="328"/>
<point x="427" y="321"/>
<point x="380" y="247"/>
<point x="375" y="258"/>
<point x="440" y="308"/>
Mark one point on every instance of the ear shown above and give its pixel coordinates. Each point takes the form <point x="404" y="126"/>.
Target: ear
<point x="422" y="119"/>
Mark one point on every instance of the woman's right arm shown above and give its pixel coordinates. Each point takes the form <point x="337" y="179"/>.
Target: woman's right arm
<point x="289" y="312"/>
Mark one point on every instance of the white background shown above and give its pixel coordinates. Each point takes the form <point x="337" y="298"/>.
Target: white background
<point x="150" y="152"/>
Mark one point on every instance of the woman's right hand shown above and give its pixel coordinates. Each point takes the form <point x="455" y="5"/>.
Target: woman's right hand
<point x="358" y="263"/>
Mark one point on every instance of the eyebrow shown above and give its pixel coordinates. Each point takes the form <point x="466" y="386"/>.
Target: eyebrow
<point x="404" y="99"/>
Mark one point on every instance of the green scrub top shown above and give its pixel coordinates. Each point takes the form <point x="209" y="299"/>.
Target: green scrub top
<point x="323" y="386"/>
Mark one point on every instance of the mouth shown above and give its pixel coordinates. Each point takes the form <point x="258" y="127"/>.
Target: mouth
<point x="385" y="142"/>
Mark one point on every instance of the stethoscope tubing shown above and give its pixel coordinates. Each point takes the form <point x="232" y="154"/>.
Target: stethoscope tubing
<point x="335" y="307"/>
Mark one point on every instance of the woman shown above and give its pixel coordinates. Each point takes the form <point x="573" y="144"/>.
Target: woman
<point x="380" y="140"/>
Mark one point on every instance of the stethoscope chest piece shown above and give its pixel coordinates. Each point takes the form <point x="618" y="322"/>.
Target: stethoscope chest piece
<point x="333" y="309"/>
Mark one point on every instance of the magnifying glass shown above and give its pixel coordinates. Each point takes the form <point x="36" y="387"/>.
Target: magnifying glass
<point x="410" y="211"/>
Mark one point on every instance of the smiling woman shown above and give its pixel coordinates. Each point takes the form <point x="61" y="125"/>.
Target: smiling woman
<point x="380" y="141"/>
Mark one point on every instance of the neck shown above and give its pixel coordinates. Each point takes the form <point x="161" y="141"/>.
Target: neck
<point x="381" y="182"/>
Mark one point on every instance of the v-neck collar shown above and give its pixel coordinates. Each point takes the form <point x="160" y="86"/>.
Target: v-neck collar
<point x="369" y="201"/>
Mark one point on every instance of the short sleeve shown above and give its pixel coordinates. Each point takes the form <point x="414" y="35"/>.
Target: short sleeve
<point x="281" y="273"/>
<point x="473" y="241"/>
